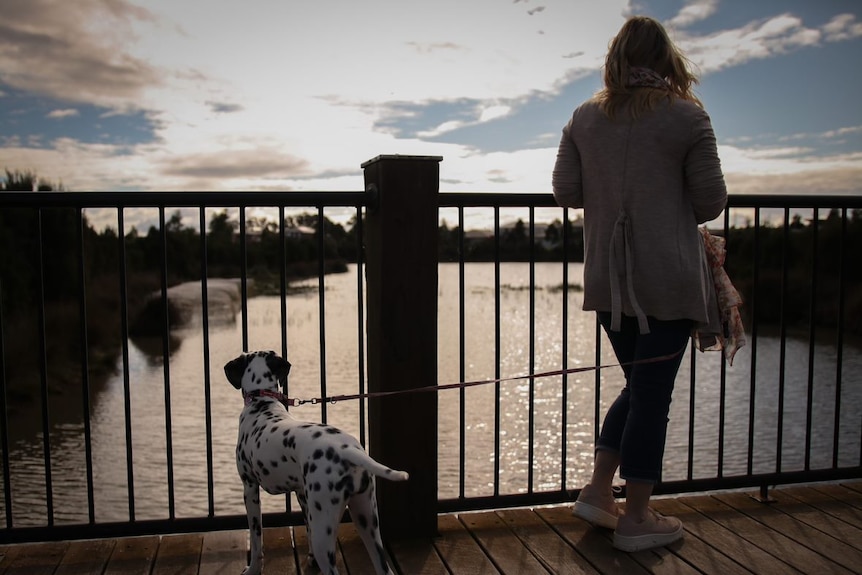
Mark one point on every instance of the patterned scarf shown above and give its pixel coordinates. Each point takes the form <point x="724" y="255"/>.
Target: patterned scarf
<point x="646" y="78"/>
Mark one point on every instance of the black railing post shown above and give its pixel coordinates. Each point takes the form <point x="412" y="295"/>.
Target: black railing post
<point x="401" y="271"/>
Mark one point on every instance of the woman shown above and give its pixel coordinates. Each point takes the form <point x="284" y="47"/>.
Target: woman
<point x="640" y="158"/>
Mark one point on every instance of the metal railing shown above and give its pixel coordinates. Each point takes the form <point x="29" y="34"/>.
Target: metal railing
<point x="845" y="386"/>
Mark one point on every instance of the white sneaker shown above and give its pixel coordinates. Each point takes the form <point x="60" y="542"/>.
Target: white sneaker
<point x="593" y="508"/>
<point x="654" y="531"/>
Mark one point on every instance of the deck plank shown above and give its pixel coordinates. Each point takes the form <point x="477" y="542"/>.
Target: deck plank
<point x="803" y="508"/>
<point x="808" y="529"/>
<point x="133" y="555"/>
<point x="554" y="552"/>
<point x="301" y="543"/>
<point x="224" y="552"/>
<point x="782" y="548"/>
<point x="279" y="555"/>
<point x="709" y="546"/>
<point x="33" y="558"/>
<point x="87" y="556"/>
<point x="353" y="549"/>
<point x="416" y="557"/>
<point x="459" y="551"/>
<point x="770" y="515"/>
<point x="179" y="555"/>
<point x="592" y="543"/>
<point x="500" y="544"/>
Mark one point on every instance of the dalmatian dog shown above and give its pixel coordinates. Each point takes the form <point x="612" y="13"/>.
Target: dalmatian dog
<point x="326" y="468"/>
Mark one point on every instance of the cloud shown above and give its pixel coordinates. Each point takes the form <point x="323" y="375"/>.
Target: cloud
<point x="827" y="135"/>
<point x="791" y="170"/>
<point x="231" y="164"/>
<point x="693" y="12"/>
<point x="427" y="48"/>
<point x="74" y="51"/>
<point x="223" y="107"/>
<point x="761" y="39"/>
<point x="842" y="27"/>
<point x="757" y="40"/>
<point x="65" y="113"/>
<point x="312" y="92"/>
<point x="841" y="181"/>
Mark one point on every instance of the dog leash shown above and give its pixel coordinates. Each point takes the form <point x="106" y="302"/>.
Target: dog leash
<point x="333" y="399"/>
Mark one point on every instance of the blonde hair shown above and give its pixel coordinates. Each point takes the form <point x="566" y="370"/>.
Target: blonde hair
<point x="642" y="42"/>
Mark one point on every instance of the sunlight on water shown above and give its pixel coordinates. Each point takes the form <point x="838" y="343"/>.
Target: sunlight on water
<point x="516" y="348"/>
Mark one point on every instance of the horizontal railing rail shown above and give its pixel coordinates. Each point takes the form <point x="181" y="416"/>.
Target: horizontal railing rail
<point x="536" y="456"/>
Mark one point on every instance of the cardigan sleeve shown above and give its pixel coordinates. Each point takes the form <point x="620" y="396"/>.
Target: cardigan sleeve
<point x="704" y="180"/>
<point x="566" y="180"/>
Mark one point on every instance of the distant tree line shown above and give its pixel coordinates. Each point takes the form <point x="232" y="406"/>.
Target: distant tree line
<point x="770" y="253"/>
<point x="55" y="236"/>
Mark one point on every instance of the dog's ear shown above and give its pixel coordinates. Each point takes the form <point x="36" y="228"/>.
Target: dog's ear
<point x="234" y="369"/>
<point x="279" y="366"/>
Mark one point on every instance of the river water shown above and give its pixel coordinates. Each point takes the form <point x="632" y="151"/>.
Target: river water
<point x="187" y="402"/>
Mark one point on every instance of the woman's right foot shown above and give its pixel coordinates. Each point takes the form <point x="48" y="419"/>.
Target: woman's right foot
<point x="655" y="530"/>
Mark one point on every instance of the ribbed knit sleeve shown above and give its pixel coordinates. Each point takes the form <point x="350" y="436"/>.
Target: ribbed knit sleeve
<point x="704" y="181"/>
<point x="566" y="179"/>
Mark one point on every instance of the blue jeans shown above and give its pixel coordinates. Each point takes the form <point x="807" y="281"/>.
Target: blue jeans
<point x="635" y="425"/>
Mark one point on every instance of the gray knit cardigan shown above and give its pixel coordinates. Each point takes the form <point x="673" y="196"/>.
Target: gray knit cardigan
<point x="645" y="185"/>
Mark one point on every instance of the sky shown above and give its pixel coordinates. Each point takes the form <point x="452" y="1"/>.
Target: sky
<point x="297" y="94"/>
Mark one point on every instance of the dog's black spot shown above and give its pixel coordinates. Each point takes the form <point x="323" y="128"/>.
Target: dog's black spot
<point x="363" y="521"/>
<point x="364" y="482"/>
<point x="317" y="434"/>
<point x="318" y="506"/>
<point x="318" y="453"/>
<point x="331" y="556"/>
<point x="312" y="468"/>
<point x="332" y="431"/>
<point x="274" y="463"/>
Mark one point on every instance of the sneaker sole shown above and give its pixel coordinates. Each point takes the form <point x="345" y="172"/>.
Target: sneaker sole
<point x="594" y="515"/>
<point x="632" y="543"/>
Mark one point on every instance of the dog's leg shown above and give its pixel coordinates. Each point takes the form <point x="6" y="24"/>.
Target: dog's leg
<point x="251" y="495"/>
<point x="363" y="512"/>
<point x="300" y="496"/>
<point x="324" y="515"/>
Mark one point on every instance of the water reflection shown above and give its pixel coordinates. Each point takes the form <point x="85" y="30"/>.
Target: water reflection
<point x="146" y="441"/>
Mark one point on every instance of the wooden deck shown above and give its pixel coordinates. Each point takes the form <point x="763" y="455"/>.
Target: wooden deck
<point x="811" y="529"/>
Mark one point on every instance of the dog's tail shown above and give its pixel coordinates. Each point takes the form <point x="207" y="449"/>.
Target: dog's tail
<point x="362" y="459"/>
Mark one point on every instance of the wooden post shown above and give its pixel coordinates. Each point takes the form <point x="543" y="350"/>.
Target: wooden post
<point x="401" y="281"/>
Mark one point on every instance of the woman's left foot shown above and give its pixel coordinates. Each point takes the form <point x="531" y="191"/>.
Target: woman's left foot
<point x="599" y="509"/>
